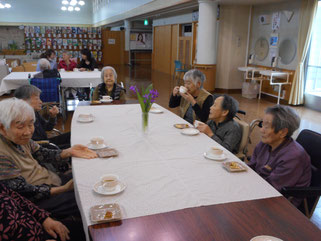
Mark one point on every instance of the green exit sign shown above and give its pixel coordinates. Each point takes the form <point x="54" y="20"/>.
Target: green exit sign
<point x="145" y="22"/>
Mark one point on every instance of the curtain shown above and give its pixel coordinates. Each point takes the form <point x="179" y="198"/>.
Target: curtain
<point x="307" y="15"/>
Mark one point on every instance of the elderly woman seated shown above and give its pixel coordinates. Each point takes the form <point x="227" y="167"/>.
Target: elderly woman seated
<point x="221" y="127"/>
<point x="66" y="63"/>
<point x="31" y="94"/>
<point x="196" y="102"/>
<point x="278" y="158"/>
<point x="23" y="220"/>
<point x="46" y="72"/>
<point x="21" y="161"/>
<point x="109" y="86"/>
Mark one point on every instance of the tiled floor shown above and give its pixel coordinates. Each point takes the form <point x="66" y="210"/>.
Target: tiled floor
<point x="143" y="76"/>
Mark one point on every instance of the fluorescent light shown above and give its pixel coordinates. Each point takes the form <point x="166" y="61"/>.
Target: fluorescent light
<point x="2" y="6"/>
<point x="73" y="2"/>
<point x="7" y="5"/>
<point x="65" y="2"/>
<point x="77" y="8"/>
<point x="63" y="8"/>
<point x="70" y="8"/>
<point x="81" y="3"/>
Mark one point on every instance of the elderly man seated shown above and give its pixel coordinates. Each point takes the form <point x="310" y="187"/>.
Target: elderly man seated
<point x="196" y="102"/>
<point x="221" y="127"/>
<point x="278" y="158"/>
<point x="31" y="94"/>
<point x="21" y="159"/>
<point x="46" y="72"/>
<point x="109" y="85"/>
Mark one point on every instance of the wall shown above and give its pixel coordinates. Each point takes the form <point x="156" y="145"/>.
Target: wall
<point x="184" y="18"/>
<point x="9" y="34"/>
<point x="231" y="45"/>
<point x="45" y="12"/>
<point x="288" y="30"/>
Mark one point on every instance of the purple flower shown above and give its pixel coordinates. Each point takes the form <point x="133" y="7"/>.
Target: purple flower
<point x="133" y="88"/>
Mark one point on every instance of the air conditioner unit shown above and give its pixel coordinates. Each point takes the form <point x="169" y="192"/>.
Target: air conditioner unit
<point x="264" y="19"/>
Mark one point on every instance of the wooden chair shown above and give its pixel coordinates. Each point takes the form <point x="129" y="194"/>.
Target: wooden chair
<point x="18" y="69"/>
<point x="245" y="138"/>
<point x="30" y="66"/>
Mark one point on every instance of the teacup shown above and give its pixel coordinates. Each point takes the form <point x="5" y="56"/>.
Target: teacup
<point x="62" y="70"/>
<point x="84" y="116"/>
<point x="216" y="151"/>
<point x="106" y="97"/>
<point x="109" y="182"/>
<point x="183" y="89"/>
<point x="76" y="69"/>
<point x="97" y="141"/>
<point x="96" y="69"/>
<point x="196" y="123"/>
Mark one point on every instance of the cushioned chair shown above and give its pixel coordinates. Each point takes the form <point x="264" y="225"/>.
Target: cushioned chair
<point x="178" y="69"/>
<point x="311" y="142"/>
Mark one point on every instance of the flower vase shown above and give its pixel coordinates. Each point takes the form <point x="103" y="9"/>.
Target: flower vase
<point x="145" y="122"/>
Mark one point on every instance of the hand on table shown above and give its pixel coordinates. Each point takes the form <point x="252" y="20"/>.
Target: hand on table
<point x="202" y="127"/>
<point x="53" y="111"/>
<point x="187" y="96"/>
<point x="82" y="69"/>
<point x="79" y="151"/>
<point x="176" y="91"/>
<point x="53" y="228"/>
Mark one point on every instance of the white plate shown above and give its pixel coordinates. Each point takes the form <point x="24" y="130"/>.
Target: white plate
<point x="96" y="147"/>
<point x="85" y="120"/>
<point x="190" y="131"/>
<point x="98" y="188"/>
<point x="215" y="157"/>
<point x="106" y="101"/>
<point x="155" y="110"/>
<point x="265" y="238"/>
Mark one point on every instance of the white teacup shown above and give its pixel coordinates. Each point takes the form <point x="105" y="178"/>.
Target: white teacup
<point x="62" y="70"/>
<point x="196" y="123"/>
<point x="76" y="69"/>
<point x="106" y="97"/>
<point x="84" y="116"/>
<point x="215" y="151"/>
<point x="97" y="141"/>
<point x="96" y="69"/>
<point x="183" y="89"/>
<point x="109" y="182"/>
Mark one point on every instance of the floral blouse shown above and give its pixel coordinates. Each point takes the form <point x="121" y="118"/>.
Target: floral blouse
<point x="20" y="219"/>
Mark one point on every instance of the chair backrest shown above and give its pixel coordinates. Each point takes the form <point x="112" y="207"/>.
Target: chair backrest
<point x="30" y="66"/>
<point x="178" y="64"/>
<point x="245" y="138"/>
<point x="49" y="88"/>
<point x="311" y="142"/>
<point x="18" y="69"/>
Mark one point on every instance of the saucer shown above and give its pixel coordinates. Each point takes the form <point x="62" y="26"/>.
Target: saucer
<point x="155" y="110"/>
<point x="88" y="119"/>
<point x="265" y="238"/>
<point x="215" y="157"/>
<point x="106" y="101"/>
<point x="96" y="147"/>
<point x="98" y="188"/>
<point x="190" y="131"/>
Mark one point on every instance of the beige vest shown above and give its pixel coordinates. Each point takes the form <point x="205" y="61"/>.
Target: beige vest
<point x="30" y="169"/>
<point x="203" y="94"/>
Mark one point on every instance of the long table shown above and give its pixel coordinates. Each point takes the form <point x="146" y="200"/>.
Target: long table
<point x="74" y="79"/>
<point x="166" y="174"/>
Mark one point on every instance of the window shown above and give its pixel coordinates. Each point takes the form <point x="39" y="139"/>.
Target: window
<point x="313" y="78"/>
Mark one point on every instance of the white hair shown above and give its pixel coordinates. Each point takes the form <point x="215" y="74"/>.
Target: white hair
<point x="44" y="64"/>
<point x="195" y="76"/>
<point x="14" y="109"/>
<point x="103" y="71"/>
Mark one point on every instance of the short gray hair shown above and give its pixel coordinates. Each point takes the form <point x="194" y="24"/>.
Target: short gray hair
<point x="44" y="64"/>
<point x="26" y="91"/>
<point x="103" y="71"/>
<point x="230" y="104"/>
<point x="14" y="109"/>
<point x="66" y="52"/>
<point x="195" y="75"/>
<point x="284" y="117"/>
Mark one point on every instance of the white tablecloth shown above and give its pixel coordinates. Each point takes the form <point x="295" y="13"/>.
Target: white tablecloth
<point x="68" y="79"/>
<point x="164" y="170"/>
